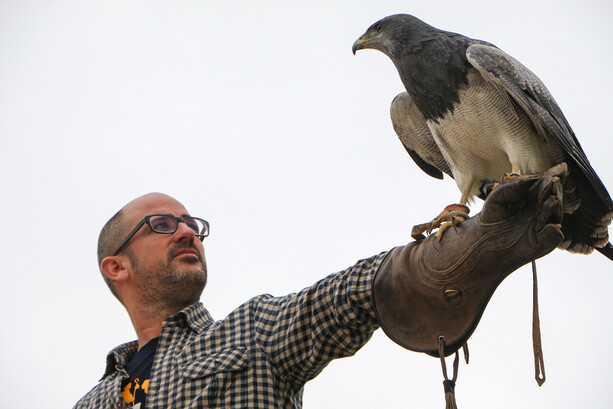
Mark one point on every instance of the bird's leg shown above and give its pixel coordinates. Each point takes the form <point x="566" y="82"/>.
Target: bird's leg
<point x="513" y="174"/>
<point x="487" y="188"/>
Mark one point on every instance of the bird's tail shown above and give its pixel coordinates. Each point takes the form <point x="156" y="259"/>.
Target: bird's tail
<point x="607" y="250"/>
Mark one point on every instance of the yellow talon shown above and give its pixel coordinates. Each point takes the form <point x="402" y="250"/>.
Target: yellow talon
<point x="451" y="216"/>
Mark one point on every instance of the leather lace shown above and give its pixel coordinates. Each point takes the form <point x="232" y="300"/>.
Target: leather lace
<point x="539" y="363"/>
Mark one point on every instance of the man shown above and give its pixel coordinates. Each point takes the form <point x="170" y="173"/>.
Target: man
<point x="261" y="355"/>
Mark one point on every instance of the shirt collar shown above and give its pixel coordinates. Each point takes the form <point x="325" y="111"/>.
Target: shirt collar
<point x="119" y="357"/>
<point x="196" y="317"/>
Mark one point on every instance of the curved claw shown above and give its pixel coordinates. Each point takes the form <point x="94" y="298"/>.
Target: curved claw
<point x="453" y="218"/>
<point x="449" y="217"/>
<point x="509" y="176"/>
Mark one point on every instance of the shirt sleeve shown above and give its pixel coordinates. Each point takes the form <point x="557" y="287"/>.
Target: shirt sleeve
<point x="301" y="333"/>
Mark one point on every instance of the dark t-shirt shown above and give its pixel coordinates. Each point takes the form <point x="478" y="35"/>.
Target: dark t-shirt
<point x="134" y="389"/>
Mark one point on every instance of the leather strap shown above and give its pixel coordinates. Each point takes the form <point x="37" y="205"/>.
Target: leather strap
<point x="539" y="363"/>
<point x="449" y="384"/>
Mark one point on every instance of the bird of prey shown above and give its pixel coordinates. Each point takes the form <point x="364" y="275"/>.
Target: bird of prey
<point x="475" y="113"/>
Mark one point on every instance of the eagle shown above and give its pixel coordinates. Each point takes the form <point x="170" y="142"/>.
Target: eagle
<point x="475" y="113"/>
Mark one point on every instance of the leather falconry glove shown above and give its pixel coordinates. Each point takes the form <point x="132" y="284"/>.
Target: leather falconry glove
<point x="430" y="295"/>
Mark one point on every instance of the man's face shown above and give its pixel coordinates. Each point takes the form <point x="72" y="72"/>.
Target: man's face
<point x="169" y="270"/>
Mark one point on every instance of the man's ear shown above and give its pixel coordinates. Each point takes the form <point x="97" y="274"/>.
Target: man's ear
<point x="115" y="268"/>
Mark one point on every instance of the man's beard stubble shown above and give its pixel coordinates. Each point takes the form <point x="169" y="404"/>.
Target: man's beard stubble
<point x="165" y="287"/>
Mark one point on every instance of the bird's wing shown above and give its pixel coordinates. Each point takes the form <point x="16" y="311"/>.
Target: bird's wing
<point x="410" y="126"/>
<point x="534" y="98"/>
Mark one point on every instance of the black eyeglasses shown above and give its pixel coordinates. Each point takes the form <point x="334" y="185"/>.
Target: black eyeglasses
<point x="167" y="224"/>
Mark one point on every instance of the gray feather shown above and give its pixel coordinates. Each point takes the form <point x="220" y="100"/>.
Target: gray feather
<point x="412" y="130"/>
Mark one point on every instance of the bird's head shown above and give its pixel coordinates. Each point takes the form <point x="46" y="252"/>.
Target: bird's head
<point x="391" y="33"/>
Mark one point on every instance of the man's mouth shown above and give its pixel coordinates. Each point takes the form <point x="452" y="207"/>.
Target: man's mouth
<point x="186" y="251"/>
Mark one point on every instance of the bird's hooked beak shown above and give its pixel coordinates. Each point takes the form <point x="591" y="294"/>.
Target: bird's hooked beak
<point x="358" y="45"/>
<point x="363" y="42"/>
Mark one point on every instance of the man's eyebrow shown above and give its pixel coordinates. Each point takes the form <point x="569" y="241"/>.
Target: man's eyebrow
<point x="172" y="215"/>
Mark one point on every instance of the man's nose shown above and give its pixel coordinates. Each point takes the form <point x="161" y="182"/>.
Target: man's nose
<point x="184" y="232"/>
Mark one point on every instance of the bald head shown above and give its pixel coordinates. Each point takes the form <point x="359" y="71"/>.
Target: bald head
<point x="150" y="201"/>
<point x="124" y="220"/>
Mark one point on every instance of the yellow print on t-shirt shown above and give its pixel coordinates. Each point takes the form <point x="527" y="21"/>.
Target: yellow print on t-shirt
<point x="135" y="392"/>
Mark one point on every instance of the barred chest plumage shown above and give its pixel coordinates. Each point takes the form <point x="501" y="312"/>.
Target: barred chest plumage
<point x="487" y="135"/>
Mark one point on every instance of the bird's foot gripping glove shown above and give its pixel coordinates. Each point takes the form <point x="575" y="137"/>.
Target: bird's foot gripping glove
<point x="430" y="295"/>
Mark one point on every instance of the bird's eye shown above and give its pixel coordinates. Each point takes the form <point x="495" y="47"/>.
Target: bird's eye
<point x="378" y="27"/>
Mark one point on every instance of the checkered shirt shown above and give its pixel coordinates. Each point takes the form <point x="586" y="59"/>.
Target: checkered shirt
<point x="260" y="356"/>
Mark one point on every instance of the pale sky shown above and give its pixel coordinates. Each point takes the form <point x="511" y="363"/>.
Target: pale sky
<point x="258" y="118"/>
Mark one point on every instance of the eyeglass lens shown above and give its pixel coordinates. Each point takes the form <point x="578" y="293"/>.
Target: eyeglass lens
<point x="168" y="224"/>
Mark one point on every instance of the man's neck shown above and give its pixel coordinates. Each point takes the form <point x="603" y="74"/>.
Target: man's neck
<point x="148" y="326"/>
<point x="147" y="334"/>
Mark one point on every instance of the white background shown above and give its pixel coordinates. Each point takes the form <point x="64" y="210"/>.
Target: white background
<point x="257" y="117"/>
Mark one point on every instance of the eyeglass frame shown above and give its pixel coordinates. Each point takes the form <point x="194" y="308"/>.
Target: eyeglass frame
<point x="146" y="220"/>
